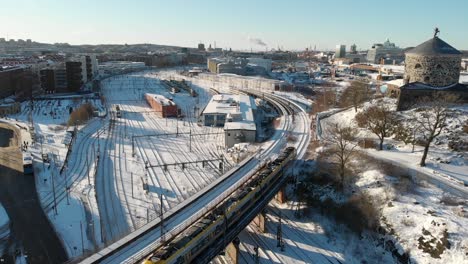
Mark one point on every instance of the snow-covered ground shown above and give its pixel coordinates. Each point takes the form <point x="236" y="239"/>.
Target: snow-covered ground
<point x="50" y="118"/>
<point x="441" y="160"/>
<point x="419" y="214"/>
<point x="130" y="187"/>
<point x="464" y="77"/>
<point x="4" y="228"/>
<point x="309" y="239"/>
<point x="422" y="219"/>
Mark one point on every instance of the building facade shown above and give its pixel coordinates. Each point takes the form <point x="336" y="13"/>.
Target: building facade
<point x="434" y="62"/>
<point x="235" y="113"/>
<point x="75" y="76"/>
<point x="431" y="68"/>
<point x="18" y="81"/>
<point x="162" y="106"/>
<point x="387" y="52"/>
<point x="340" y="51"/>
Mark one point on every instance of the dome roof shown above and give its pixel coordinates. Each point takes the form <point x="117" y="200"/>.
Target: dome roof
<point x="434" y="46"/>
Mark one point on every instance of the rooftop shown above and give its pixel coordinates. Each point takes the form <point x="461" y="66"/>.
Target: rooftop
<point x="434" y="46"/>
<point x="233" y="106"/>
<point x="161" y="99"/>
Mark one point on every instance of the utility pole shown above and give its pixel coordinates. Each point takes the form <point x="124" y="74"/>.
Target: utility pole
<point x="131" y="176"/>
<point x="257" y="258"/>
<point x="190" y="144"/>
<point x="53" y="190"/>
<point x="82" y="240"/>
<point x="279" y="234"/>
<point x="133" y="146"/>
<point x="147" y="215"/>
<point x="66" y="188"/>
<point x="163" y="238"/>
<point x="87" y="165"/>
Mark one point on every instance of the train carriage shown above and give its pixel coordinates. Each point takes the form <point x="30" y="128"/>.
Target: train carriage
<point x="186" y="247"/>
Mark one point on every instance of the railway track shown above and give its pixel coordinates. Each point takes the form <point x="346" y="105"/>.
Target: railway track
<point x="131" y="248"/>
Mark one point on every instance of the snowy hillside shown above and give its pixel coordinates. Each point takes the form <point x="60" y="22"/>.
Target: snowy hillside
<point x="441" y="159"/>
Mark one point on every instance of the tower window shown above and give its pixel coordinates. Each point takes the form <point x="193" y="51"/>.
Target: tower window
<point x="439" y="66"/>
<point x="427" y="79"/>
<point x="417" y="66"/>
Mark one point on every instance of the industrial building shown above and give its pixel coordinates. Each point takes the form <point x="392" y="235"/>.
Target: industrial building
<point x="239" y="66"/>
<point x="264" y="63"/>
<point x="235" y="113"/>
<point x="161" y="105"/>
<point x="227" y="65"/>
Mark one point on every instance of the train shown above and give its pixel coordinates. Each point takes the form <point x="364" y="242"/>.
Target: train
<point x="27" y="164"/>
<point x="185" y="247"/>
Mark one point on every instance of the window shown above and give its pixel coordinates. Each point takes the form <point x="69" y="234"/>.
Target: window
<point x="426" y="79"/>
<point x="439" y="66"/>
<point x="417" y="66"/>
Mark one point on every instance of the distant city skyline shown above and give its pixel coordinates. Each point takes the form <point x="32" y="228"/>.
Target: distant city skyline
<point x="240" y="25"/>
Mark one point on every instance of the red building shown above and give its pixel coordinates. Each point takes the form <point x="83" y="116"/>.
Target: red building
<point x="163" y="106"/>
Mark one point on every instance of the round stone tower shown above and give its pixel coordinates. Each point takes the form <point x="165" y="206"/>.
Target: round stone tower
<point x="434" y="62"/>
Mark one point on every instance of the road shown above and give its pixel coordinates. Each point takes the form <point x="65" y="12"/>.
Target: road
<point x="30" y="228"/>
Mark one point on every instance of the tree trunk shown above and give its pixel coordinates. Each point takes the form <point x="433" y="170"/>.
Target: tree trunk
<point x="342" y="172"/>
<point x="423" y="159"/>
<point x="381" y="144"/>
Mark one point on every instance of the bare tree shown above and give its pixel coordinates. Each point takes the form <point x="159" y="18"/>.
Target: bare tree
<point x="354" y="95"/>
<point x="380" y="120"/>
<point x="341" y="143"/>
<point x="408" y="132"/>
<point x="433" y="119"/>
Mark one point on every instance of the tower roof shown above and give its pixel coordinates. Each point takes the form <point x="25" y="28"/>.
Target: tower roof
<point x="434" y="46"/>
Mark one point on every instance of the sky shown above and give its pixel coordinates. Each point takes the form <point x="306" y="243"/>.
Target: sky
<point x="236" y="24"/>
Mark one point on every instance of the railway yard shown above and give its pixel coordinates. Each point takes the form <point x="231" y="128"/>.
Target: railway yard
<point x="121" y="172"/>
<point x="118" y="186"/>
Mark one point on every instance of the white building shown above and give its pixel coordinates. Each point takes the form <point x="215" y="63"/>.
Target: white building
<point x="94" y="65"/>
<point x="84" y="73"/>
<point x="234" y="112"/>
<point x="264" y="63"/>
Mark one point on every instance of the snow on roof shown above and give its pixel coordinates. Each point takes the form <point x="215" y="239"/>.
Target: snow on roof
<point x="233" y="105"/>
<point x="464" y="78"/>
<point x="397" y="82"/>
<point x="161" y="99"/>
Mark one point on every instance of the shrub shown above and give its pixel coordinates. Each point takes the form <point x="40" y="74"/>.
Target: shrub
<point x="451" y="201"/>
<point x="81" y="115"/>
<point x="358" y="213"/>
